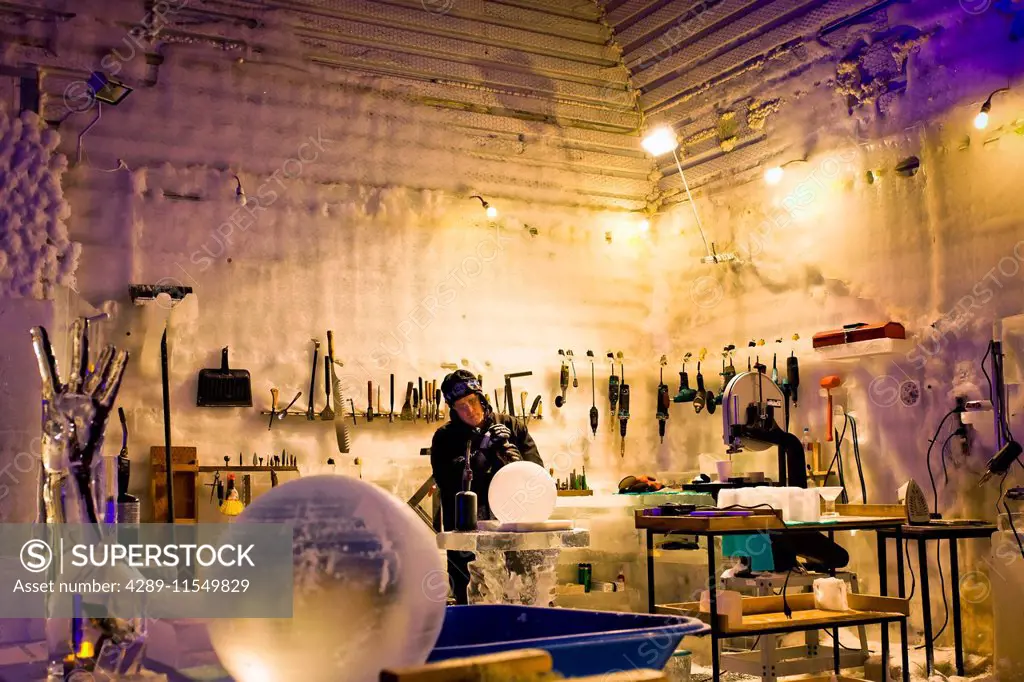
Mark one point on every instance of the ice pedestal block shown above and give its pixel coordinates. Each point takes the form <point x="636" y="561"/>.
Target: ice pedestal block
<point x="513" y="568"/>
<point x="527" y="578"/>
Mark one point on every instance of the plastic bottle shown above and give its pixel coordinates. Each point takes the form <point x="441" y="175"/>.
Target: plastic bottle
<point x="620" y="580"/>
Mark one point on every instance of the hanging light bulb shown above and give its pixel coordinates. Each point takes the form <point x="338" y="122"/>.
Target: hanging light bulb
<point x="773" y="175"/>
<point x="488" y="209"/>
<point x="660" y="141"/>
<point x="239" y="193"/>
<point x="981" y="120"/>
<point x="645" y="225"/>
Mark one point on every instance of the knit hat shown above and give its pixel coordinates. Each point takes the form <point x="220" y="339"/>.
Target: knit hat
<point x="459" y="384"/>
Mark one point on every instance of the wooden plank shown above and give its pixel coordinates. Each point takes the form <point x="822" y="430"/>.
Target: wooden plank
<point x="497" y="667"/>
<point x="760" y="520"/>
<point x="767" y="613"/>
<point x="891" y="510"/>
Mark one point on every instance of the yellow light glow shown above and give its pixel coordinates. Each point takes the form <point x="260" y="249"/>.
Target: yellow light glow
<point x="86" y="650"/>
<point x="492" y="212"/>
<point x="773" y="175"/>
<point x="645" y="225"/>
<point x="981" y="120"/>
<point x="660" y="141"/>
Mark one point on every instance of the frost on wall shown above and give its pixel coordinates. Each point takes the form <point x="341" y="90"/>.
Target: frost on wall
<point x="35" y="251"/>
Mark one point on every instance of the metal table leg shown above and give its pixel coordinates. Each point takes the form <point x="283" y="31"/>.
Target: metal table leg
<point x="926" y="605"/>
<point x="716" y="671"/>
<point x="650" y="570"/>
<point x="883" y="590"/>
<point x="901" y="583"/>
<point x="835" y="631"/>
<point x="958" y="635"/>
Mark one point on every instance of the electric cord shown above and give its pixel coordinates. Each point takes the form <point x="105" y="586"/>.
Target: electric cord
<point x="997" y="401"/>
<point x="928" y="458"/>
<point x="942" y="454"/>
<point x="785" y="602"/>
<point x="913" y="578"/>
<point x="945" y="604"/>
<point x="843" y="646"/>
<point x="838" y="458"/>
<point x="1009" y="514"/>
<point x="856" y="456"/>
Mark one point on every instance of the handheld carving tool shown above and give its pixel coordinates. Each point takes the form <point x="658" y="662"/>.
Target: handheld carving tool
<point x="407" y="406"/>
<point x="613" y="389"/>
<point x="273" y="406"/>
<point x="310" y="415"/>
<point x="594" y="415"/>
<point x="663" y="400"/>
<point x="391" y="414"/>
<point x="327" y="414"/>
<point x="369" y="400"/>
<point x="572" y="363"/>
<point x="418" y="399"/>
<point x="623" y="409"/>
<point x="563" y="380"/>
<point x="685" y="394"/>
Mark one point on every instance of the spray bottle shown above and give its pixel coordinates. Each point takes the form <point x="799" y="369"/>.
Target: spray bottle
<point x="466" y="500"/>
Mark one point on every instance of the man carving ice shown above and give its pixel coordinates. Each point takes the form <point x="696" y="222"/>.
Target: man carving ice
<point x="494" y="439"/>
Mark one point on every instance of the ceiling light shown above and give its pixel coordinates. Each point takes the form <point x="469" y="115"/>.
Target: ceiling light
<point x="773" y="175"/>
<point x="645" y="225"/>
<point x="981" y="120"/>
<point x="663" y="141"/>
<point x="488" y="209"/>
<point x="239" y="193"/>
<point x="107" y="90"/>
<point x="660" y="141"/>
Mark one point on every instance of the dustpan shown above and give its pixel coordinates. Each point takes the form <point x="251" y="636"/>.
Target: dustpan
<point x="224" y="387"/>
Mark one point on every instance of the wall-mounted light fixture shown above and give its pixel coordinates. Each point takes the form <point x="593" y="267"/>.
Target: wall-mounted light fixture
<point x="488" y="209"/>
<point x="106" y="89"/>
<point x="239" y="193"/>
<point x="773" y="175"/>
<point x="661" y="141"/>
<point x="981" y="120"/>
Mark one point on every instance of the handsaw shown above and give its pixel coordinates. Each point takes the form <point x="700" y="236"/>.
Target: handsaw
<point x="340" y="426"/>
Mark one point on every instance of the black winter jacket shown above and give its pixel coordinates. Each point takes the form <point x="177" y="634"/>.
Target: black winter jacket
<point x="448" y="460"/>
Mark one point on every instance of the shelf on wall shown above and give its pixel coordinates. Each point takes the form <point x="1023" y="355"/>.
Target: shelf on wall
<point x="209" y="469"/>
<point x="864" y="349"/>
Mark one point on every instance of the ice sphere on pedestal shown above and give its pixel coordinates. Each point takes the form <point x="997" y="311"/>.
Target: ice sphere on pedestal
<point x="522" y="492"/>
<point x="369" y="588"/>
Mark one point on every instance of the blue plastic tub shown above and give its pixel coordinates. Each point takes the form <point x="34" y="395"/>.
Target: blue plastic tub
<point x="580" y="642"/>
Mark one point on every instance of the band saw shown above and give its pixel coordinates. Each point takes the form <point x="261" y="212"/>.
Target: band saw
<point x="751" y="402"/>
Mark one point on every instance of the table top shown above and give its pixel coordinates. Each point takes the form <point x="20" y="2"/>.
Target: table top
<point x="946" y="529"/>
<point x="742" y="525"/>
<point x="508" y="541"/>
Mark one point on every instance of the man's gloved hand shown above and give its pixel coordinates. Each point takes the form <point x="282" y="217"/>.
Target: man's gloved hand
<point x="497" y="442"/>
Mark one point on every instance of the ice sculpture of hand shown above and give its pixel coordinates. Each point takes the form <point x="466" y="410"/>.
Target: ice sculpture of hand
<point x="74" y="419"/>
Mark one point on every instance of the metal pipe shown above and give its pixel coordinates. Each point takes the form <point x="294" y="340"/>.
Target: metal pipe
<point x="998" y="386"/>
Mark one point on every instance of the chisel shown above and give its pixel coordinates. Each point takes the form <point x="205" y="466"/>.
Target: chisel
<point x="379" y="413"/>
<point x="391" y="414"/>
<point x="535" y="408"/>
<point x="437" y="403"/>
<point x="273" y="407"/>
<point x="369" y="400"/>
<point x="407" y="407"/>
<point x="522" y="404"/>
<point x="310" y="415"/>
<point x="415" y="404"/>
<point x="419" y="399"/>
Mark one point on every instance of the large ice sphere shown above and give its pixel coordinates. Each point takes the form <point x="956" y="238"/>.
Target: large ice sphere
<point x="369" y="588"/>
<point x="522" y="492"/>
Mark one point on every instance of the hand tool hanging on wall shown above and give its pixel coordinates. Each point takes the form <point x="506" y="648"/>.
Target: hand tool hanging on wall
<point x="685" y="394"/>
<point x="352" y="404"/>
<point x="407" y="406"/>
<point x="594" y="415"/>
<point x="575" y="381"/>
<point x="310" y="415"/>
<point x="700" y="399"/>
<point x="369" y="400"/>
<point x="281" y="414"/>
<point x="623" y="408"/>
<point x="340" y="427"/>
<point x="793" y="376"/>
<point x="828" y="383"/>
<point x="536" y="409"/>
<point x="497" y="403"/>
<point x="391" y="414"/>
<point x="273" y="406"/>
<point x="563" y="380"/>
<point x="509" y="396"/>
<point x="775" y="367"/>
<point x="613" y="390"/>
<point x="663" y="399"/>
<point x="216" y="489"/>
<point x="415" y="403"/>
<point x="522" y="404"/>
<point x="224" y="387"/>
<point x="729" y="369"/>
<point x="327" y="414"/>
<point x="419" y="399"/>
<point x="379" y="412"/>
